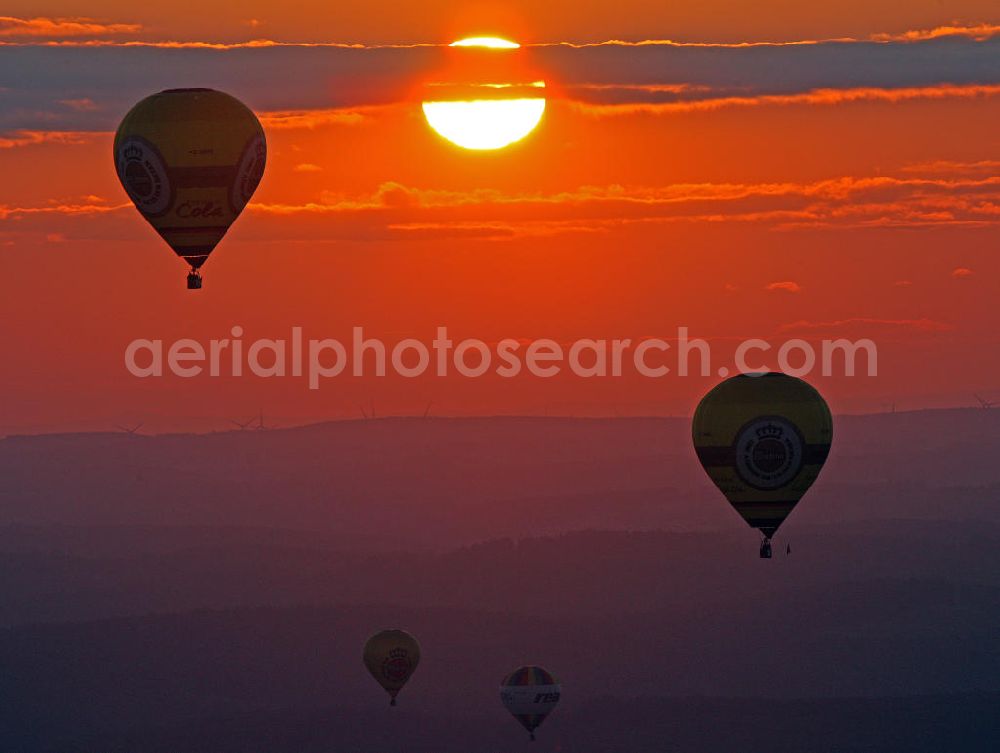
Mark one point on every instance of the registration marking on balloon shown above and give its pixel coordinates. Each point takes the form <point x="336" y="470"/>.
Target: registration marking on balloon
<point x="530" y="699"/>
<point x="769" y="452"/>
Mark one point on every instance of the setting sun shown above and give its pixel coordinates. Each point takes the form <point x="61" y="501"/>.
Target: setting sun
<point x="485" y="123"/>
<point x="496" y="43"/>
<point x="485" y="114"/>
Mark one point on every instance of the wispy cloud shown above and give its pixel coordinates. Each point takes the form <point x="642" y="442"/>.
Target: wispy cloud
<point x="81" y="105"/>
<point x="951" y="167"/>
<point x="17" y="139"/>
<point x="840" y="189"/>
<point x="86" y="32"/>
<point x="978" y="32"/>
<point x="54" y="28"/>
<point x="607" y="79"/>
<point x="309" y="119"/>
<point x="249" y="44"/>
<point x="8" y="211"/>
<point x="784" y="286"/>
<point x="683" y="44"/>
<point x="843" y="203"/>
<point x="813" y="97"/>
<point x="90" y="31"/>
<point x="394" y="210"/>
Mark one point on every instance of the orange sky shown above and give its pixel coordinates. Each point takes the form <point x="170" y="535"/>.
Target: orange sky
<point x="838" y="205"/>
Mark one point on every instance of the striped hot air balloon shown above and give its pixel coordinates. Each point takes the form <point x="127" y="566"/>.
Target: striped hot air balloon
<point x="530" y="694"/>
<point x="763" y="439"/>
<point x="190" y="159"/>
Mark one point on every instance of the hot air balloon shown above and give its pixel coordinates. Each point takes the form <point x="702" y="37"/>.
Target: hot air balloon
<point x="530" y="694"/>
<point x="190" y="159"/>
<point x="392" y="657"/>
<point x="763" y="439"/>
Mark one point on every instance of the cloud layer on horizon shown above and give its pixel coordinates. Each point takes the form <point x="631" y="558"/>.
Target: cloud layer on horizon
<point x="399" y="212"/>
<point x="39" y="84"/>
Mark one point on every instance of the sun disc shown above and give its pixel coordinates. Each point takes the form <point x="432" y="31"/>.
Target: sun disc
<point x="496" y="43"/>
<point x="485" y="123"/>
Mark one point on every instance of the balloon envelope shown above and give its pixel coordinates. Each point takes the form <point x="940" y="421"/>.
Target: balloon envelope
<point x="530" y="694"/>
<point x="392" y="657"/>
<point x="190" y="159"/>
<point x="763" y="439"/>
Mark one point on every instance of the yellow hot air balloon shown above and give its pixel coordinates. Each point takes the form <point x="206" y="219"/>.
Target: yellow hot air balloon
<point x="392" y="657"/>
<point x="763" y="439"/>
<point x="190" y="159"/>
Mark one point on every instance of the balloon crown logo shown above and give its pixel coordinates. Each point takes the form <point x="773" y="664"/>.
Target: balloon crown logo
<point x="769" y="431"/>
<point x="133" y="153"/>
<point x="397" y="665"/>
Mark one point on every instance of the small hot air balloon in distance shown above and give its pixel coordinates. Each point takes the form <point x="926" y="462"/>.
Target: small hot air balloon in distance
<point x="190" y="159"/>
<point x="392" y="657"/>
<point x="763" y="439"/>
<point x="530" y="694"/>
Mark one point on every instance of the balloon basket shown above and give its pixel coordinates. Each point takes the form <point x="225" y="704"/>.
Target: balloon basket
<point x="194" y="281"/>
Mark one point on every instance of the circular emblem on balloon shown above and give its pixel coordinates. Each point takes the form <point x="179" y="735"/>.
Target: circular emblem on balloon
<point x="769" y="452"/>
<point x="249" y="173"/>
<point x="144" y="176"/>
<point x="397" y="666"/>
